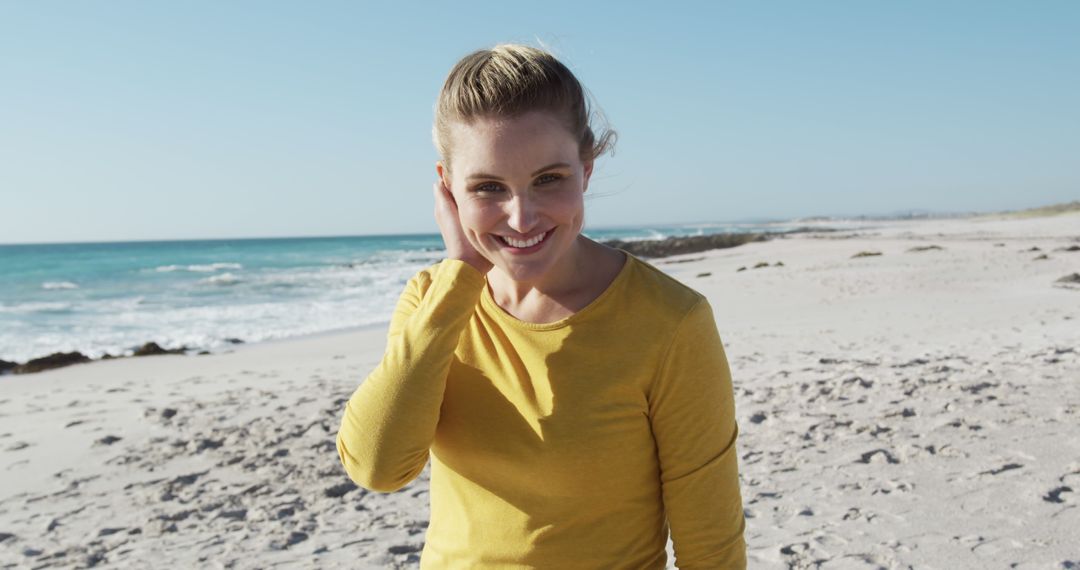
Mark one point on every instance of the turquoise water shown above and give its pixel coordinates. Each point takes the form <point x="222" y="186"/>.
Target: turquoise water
<point x="100" y="298"/>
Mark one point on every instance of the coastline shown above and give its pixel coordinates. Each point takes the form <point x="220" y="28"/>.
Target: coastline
<point x="871" y="393"/>
<point x="647" y="248"/>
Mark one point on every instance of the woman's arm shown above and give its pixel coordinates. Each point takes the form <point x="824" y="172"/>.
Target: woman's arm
<point x="692" y="413"/>
<point x="389" y="421"/>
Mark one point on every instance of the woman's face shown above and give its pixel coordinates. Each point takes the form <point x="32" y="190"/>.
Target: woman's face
<point x="518" y="178"/>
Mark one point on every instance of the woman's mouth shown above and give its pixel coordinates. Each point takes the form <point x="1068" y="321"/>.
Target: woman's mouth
<point x="524" y="246"/>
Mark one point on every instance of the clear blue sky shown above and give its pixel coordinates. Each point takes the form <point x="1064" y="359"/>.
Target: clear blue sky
<point x="168" y="120"/>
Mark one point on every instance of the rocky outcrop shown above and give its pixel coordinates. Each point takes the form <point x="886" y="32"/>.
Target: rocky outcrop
<point x="152" y="348"/>
<point x="54" y="360"/>
<point x="685" y="244"/>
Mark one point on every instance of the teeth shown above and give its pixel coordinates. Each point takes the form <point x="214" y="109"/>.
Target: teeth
<point x="523" y="244"/>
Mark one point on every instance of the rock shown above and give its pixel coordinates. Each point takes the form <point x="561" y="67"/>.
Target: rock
<point x="685" y="244"/>
<point x="54" y="360"/>
<point x="761" y="264"/>
<point x="152" y="348"/>
<point x="927" y="248"/>
<point x="866" y="254"/>
<point x="234" y="341"/>
<point x="743" y="268"/>
<point x="1070" y="279"/>
<point x="705" y="274"/>
<point x="6" y="366"/>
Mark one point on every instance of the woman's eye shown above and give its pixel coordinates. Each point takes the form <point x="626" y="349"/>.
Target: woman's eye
<point x="548" y="178"/>
<point x="487" y="188"/>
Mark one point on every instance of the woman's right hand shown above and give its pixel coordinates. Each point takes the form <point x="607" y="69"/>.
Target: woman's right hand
<point x="457" y="245"/>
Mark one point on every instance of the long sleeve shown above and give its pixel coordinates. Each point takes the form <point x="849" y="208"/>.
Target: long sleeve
<point x="389" y="421"/>
<point x="692" y="415"/>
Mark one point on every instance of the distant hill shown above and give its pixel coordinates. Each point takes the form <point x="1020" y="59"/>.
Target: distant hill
<point x="1052" y="210"/>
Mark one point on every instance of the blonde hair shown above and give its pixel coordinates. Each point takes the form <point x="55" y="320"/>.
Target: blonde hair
<point x="509" y="80"/>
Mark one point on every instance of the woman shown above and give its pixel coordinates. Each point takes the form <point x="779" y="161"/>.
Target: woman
<point x="575" y="402"/>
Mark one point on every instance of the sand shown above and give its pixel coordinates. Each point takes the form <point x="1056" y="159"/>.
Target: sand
<point x="909" y="409"/>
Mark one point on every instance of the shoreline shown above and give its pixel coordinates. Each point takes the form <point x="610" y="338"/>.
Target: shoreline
<point x="648" y="249"/>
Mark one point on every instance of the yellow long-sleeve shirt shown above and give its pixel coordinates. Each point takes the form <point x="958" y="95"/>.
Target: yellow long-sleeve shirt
<point x="572" y="444"/>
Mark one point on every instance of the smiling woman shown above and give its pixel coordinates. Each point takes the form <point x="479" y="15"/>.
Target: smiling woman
<point x="575" y="401"/>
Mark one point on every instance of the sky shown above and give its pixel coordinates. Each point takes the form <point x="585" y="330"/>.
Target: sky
<point x="134" y="120"/>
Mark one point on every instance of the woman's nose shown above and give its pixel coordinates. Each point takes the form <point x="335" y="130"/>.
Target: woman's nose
<point x="522" y="215"/>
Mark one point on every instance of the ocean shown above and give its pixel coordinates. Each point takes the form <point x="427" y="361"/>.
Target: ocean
<point x="110" y="298"/>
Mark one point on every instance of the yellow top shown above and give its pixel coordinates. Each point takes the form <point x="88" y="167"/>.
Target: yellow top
<point x="555" y="445"/>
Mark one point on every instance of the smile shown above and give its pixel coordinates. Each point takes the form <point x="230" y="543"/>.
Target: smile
<point x="525" y="246"/>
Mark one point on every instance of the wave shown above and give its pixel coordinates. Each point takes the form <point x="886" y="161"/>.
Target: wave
<point x="36" y="307"/>
<point x="206" y="268"/>
<point x="222" y="279"/>
<point x="59" y="285"/>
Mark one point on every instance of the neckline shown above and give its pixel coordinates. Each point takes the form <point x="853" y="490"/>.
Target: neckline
<point x="489" y="302"/>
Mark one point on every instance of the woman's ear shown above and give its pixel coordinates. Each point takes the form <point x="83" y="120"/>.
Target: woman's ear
<point x="444" y="174"/>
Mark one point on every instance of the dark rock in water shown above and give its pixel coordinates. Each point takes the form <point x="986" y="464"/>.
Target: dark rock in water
<point x="927" y="248"/>
<point x="108" y="440"/>
<point x="761" y="264"/>
<point x="168" y="413"/>
<point x="6" y="366"/>
<point x="740" y="269"/>
<point x="1071" y="248"/>
<point x="1043" y="256"/>
<point x="54" y="360"/>
<point x="6" y="536"/>
<point x="234" y="341"/>
<point x="1070" y="279"/>
<point x="152" y="348"/>
<point x="110" y="530"/>
<point x="866" y="254"/>
<point x="778" y="264"/>
<point x="705" y="274"/>
<point x="203" y="352"/>
<point x="685" y="244"/>
<point x="107" y="356"/>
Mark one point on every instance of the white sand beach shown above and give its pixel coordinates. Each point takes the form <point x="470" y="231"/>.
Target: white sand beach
<point x="909" y="409"/>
